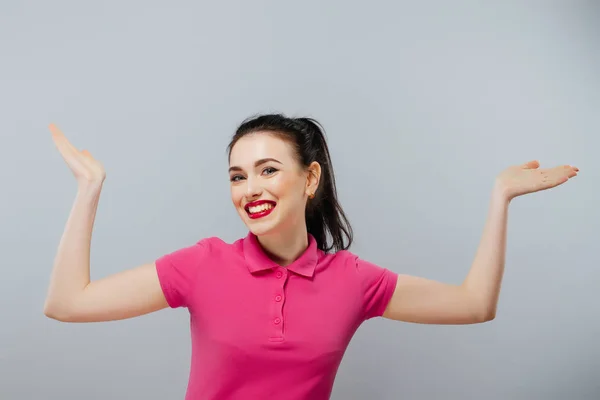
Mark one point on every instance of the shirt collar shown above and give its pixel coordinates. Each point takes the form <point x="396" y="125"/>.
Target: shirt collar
<point x="258" y="260"/>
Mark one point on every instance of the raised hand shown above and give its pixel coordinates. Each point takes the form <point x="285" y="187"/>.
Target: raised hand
<point x="85" y="168"/>
<point x="528" y="178"/>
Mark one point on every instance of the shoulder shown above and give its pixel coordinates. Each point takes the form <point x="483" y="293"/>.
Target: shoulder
<point x="342" y="259"/>
<point x="202" y="250"/>
<point x="375" y="283"/>
<point x="218" y="248"/>
<point x="354" y="266"/>
<point x="179" y="270"/>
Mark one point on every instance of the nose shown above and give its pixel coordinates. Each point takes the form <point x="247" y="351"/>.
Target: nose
<point x="253" y="188"/>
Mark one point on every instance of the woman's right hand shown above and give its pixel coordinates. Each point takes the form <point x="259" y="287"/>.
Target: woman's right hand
<point x="86" y="169"/>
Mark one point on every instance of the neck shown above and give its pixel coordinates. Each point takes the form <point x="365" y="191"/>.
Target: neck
<point x="285" y="247"/>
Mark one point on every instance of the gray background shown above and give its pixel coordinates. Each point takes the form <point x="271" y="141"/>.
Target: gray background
<point x="423" y="103"/>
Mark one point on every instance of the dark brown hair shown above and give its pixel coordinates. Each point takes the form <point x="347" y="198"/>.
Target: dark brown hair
<point x="324" y="215"/>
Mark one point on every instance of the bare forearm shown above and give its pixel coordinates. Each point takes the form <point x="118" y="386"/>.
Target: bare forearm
<point x="427" y="301"/>
<point x="484" y="280"/>
<point x="71" y="270"/>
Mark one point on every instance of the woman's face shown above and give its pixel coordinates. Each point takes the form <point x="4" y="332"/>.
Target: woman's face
<point x="269" y="188"/>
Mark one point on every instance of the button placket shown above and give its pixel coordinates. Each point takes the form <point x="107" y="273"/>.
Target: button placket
<point x="277" y="319"/>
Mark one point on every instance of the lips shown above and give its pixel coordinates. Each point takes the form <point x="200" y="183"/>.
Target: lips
<point x="260" y="208"/>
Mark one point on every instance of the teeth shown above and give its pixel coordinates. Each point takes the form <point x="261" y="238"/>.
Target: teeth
<point x="260" y="208"/>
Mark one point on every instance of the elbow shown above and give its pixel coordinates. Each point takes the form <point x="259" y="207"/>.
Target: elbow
<point x="482" y="310"/>
<point x="57" y="312"/>
<point x="52" y="312"/>
<point x="487" y="315"/>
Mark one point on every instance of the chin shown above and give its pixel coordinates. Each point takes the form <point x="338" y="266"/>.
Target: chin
<point x="260" y="227"/>
<point x="259" y="231"/>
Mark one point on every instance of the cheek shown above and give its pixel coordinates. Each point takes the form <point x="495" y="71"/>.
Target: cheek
<point x="236" y="195"/>
<point x="281" y="187"/>
<point x="288" y="190"/>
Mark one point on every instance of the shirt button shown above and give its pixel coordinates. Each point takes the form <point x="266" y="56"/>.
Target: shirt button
<point x="279" y="274"/>
<point x="277" y="321"/>
<point x="278" y="298"/>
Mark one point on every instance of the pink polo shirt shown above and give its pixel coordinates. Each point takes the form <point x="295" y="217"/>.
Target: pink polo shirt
<point x="262" y="331"/>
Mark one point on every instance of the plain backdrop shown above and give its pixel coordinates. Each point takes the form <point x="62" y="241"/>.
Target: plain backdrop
<point x="424" y="103"/>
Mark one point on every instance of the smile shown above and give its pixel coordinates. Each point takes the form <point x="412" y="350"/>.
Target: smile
<point x="260" y="208"/>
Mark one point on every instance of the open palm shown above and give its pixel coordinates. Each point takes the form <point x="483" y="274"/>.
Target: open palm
<point x="85" y="168"/>
<point x="528" y="178"/>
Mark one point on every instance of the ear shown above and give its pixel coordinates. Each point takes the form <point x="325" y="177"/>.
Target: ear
<point x="313" y="178"/>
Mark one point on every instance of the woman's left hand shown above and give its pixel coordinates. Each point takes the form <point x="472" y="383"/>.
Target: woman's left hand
<point x="528" y="178"/>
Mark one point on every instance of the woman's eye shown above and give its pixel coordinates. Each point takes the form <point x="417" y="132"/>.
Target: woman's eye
<point x="269" y="170"/>
<point x="235" y="178"/>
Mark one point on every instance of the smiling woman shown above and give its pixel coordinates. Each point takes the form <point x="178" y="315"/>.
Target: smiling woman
<point x="294" y="258"/>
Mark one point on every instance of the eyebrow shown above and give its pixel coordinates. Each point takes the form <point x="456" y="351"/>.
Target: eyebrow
<point x="256" y="164"/>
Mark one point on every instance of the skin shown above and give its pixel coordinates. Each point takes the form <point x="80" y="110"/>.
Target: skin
<point x="72" y="297"/>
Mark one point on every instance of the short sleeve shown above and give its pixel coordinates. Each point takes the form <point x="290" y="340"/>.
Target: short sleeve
<point x="178" y="272"/>
<point x="378" y="285"/>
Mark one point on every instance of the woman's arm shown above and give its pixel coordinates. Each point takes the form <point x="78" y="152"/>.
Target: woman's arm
<point x="422" y="300"/>
<point x="426" y="301"/>
<point x="71" y="296"/>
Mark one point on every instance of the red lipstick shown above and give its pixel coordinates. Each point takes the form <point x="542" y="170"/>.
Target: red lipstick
<point x="262" y="213"/>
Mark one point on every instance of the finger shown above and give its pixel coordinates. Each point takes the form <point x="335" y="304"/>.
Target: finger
<point x="571" y="167"/>
<point x="61" y="141"/>
<point x="563" y="170"/>
<point x="569" y="171"/>
<point x="72" y="157"/>
<point x="531" y="164"/>
<point x="559" y="175"/>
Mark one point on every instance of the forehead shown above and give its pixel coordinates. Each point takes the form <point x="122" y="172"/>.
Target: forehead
<point x="260" y="145"/>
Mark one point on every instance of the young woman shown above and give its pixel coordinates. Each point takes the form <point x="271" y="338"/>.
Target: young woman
<point x="273" y="312"/>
